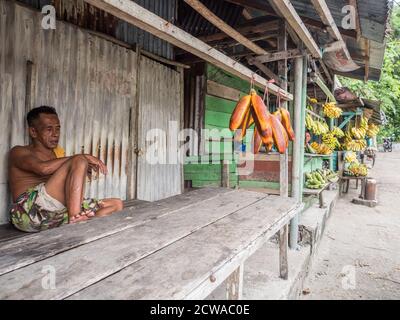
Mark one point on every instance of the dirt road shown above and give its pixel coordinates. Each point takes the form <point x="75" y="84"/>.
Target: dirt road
<point x="359" y="255"/>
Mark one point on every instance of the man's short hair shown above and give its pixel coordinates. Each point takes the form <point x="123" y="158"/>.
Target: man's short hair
<point x="34" y="114"/>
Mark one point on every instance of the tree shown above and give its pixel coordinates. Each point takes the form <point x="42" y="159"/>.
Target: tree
<point x="387" y="89"/>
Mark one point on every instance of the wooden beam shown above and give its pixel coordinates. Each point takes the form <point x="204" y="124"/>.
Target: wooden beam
<point x="268" y="72"/>
<point x="367" y="59"/>
<point x="256" y="25"/>
<point x="263" y="6"/>
<point x="283" y="74"/>
<point x="287" y="10"/>
<point x="136" y="15"/>
<point x="326" y="71"/>
<point x="223" y="26"/>
<point x="325" y="14"/>
<point x="281" y="55"/>
<point x="354" y="4"/>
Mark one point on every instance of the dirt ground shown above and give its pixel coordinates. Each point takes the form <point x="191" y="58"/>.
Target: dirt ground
<point x="359" y="255"/>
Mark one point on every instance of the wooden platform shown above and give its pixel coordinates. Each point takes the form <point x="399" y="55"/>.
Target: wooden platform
<point x="178" y="248"/>
<point x="317" y="192"/>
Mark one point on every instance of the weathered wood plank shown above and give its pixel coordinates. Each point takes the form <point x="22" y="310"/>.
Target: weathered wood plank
<point x="221" y="91"/>
<point x="35" y="247"/>
<point x="234" y="285"/>
<point x="202" y="261"/>
<point x="283" y="253"/>
<point x="88" y="264"/>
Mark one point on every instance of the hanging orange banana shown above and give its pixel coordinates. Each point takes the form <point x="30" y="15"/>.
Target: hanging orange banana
<point x="285" y="120"/>
<point x="260" y="111"/>
<point x="240" y="112"/>
<point x="257" y="142"/>
<point x="241" y="132"/>
<point x="279" y="135"/>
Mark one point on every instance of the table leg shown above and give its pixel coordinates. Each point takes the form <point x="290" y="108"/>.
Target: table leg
<point x="283" y="253"/>
<point x="321" y="200"/>
<point x="234" y="285"/>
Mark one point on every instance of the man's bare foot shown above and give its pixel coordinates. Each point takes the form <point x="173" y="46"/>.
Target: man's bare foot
<point x="78" y="218"/>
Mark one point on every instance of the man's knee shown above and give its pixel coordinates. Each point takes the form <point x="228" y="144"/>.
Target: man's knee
<point x="119" y="205"/>
<point x="79" y="161"/>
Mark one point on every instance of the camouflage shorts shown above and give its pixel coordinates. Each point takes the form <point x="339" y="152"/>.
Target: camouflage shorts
<point x="28" y="216"/>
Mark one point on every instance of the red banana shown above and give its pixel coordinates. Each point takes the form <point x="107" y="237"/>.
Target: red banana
<point x="279" y="135"/>
<point x="257" y="142"/>
<point x="260" y="111"/>
<point x="240" y="112"/>
<point x="285" y="119"/>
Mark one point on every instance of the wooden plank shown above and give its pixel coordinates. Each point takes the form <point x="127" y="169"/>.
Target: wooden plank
<point x="287" y="10"/>
<point x="283" y="74"/>
<point x="202" y="261"/>
<point x="280" y="55"/>
<point x="283" y="253"/>
<point x="264" y="69"/>
<point x="35" y="247"/>
<point x="76" y="269"/>
<point x="221" y="91"/>
<point x="367" y="59"/>
<point x="135" y="14"/>
<point x="234" y="285"/>
<point x="223" y="26"/>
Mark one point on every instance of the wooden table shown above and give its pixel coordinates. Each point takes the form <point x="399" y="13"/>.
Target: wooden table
<point x="178" y="248"/>
<point x="317" y="192"/>
<point x="345" y="183"/>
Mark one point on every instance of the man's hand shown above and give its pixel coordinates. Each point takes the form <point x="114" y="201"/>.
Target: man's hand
<point x="96" y="164"/>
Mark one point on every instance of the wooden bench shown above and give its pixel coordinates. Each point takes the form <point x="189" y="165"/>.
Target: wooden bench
<point x="178" y="248"/>
<point x="319" y="193"/>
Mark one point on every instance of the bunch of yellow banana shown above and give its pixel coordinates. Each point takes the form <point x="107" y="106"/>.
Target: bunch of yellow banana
<point x="350" y="157"/>
<point x="332" y="111"/>
<point x="355" y="145"/>
<point x="357" y="169"/>
<point x="321" y="148"/>
<point x="309" y="122"/>
<point x="373" y="130"/>
<point x="330" y="140"/>
<point x="364" y="123"/>
<point x="337" y="132"/>
<point x="359" y="133"/>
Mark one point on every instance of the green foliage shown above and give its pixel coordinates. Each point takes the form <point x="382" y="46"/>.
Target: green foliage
<point x="388" y="88"/>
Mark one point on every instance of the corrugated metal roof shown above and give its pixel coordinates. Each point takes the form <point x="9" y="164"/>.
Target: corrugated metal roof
<point x="193" y="23"/>
<point x="84" y="15"/>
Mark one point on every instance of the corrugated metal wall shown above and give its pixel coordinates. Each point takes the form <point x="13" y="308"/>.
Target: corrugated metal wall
<point x="86" y="16"/>
<point x="159" y="104"/>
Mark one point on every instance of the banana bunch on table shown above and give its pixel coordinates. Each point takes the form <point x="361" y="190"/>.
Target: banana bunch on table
<point x="321" y="148"/>
<point x="319" y="178"/>
<point x="270" y="129"/>
<point x="350" y="157"/>
<point x="373" y="130"/>
<point x="356" y="169"/>
<point x="331" y="110"/>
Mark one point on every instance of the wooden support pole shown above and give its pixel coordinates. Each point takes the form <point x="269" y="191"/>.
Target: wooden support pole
<point x="287" y="10"/>
<point x="283" y="75"/>
<point x="135" y="14"/>
<point x="225" y="173"/>
<point x="234" y="285"/>
<point x="223" y="26"/>
<point x="283" y="253"/>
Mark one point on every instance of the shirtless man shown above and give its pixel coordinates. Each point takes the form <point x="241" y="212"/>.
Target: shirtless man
<point x="49" y="191"/>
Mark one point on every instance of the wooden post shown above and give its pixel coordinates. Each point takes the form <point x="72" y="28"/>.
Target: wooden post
<point x="225" y="173"/>
<point x="283" y="75"/>
<point x="283" y="253"/>
<point x="234" y="285"/>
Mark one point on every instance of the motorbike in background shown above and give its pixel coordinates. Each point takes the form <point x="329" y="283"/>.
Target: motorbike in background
<point x="387" y="145"/>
